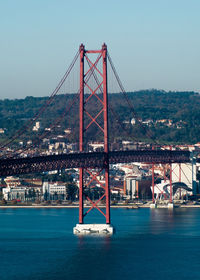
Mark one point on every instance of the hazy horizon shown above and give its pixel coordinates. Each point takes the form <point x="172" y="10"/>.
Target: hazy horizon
<point x="141" y="90"/>
<point x="153" y="44"/>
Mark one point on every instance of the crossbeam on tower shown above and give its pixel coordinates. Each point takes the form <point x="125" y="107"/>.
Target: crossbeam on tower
<point x="94" y="70"/>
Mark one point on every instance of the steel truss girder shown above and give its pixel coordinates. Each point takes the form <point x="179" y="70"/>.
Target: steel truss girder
<point x="16" y="166"/>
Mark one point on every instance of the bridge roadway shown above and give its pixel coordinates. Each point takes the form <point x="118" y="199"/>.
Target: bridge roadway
<point x="16" y="166"/>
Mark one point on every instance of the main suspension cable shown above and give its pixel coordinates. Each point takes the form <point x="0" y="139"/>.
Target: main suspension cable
<point x="30" y="122"/>
<point x="115" y="114"/>
<point x="129" y="101"/>
<point x="53" y="125"/>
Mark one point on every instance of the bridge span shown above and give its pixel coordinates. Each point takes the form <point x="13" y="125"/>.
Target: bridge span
<point x="17" y="166"/>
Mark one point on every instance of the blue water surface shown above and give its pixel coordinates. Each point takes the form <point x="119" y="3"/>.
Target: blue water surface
<point x="148" y="244"/>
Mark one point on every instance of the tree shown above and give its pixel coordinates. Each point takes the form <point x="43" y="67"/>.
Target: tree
<point x="136" y="194"/>
<point x="59" y="201"/>
<point x="3" y="202"/>
<point x="14" y="202"/>
<point x="180" y="107"/>
<point x="45" y="195"/>
<point x="37" y="201"/>
<point x="71" y="190"/>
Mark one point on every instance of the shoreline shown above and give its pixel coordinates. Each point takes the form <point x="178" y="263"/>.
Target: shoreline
<point x="129" y="207"/>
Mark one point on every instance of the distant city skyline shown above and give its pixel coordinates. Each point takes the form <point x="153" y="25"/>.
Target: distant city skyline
<point x="153" y="44"/>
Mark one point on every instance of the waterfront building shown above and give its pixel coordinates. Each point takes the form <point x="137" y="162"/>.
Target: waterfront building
<point x="37" y="126"/>
<point x="136" y="187"/>
<point x="12" y="181"/>
<point x="185" y="173"/>
<point x="96" y="146"/>
<point x="11" y="193"/>
<point x="180" y="190"/>
<point x="54" y="191"/>
<point x="131" y="187"/>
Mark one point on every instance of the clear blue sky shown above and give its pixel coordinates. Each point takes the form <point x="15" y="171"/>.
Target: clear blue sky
<point x="153" y="43"/>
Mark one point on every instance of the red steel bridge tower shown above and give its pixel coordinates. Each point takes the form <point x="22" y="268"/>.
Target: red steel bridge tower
<point x="100" y="75"/>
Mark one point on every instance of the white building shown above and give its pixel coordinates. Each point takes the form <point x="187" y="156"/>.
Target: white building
<point x="52" y="189"/>
<point x="12" y="182"/>
<point x="131" y="187"/>
<point x="37" y="126"/>
<point x="133" y="121"/>
<point x="184" y="172"/>
<point x="67" y="130"/>
<point x="96" y="146"/>
<point x="131" y="170"/>
<point x="179" y="190"/>
<point x="11" y="193"/>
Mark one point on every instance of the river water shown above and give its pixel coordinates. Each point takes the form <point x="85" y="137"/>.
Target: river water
<point x="148" y="244"/>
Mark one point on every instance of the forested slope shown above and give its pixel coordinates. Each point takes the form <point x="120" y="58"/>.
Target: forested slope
<point x="167" y="116"/>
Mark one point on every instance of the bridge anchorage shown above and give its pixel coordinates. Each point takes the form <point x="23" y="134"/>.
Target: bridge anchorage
<point x="100" y="175"/>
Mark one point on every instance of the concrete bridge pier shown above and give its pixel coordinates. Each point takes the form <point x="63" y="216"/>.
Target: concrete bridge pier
<point x="94" y="229"/>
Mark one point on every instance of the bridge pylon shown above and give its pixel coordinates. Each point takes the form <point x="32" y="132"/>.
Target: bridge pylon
<point x="91" y="178"/>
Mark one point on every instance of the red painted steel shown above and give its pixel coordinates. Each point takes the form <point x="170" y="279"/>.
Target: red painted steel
<point x="153" y="200"/>
<point x="179" y="179"/>
<point x="162" y="192"/>
<point x="93" y="70"/>
<point x="170" y="181"/>
<point x="164" y="173"/>
<point x="80" y="195"/>
<point x="104" y="49"/>
<point x="81" y="128"/>
<point x="81" y="107"/>
<point x="99" y="51"/>
<point x="106" y="144"/>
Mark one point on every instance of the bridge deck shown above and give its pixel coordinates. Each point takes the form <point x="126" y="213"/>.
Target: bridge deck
<point x="16" y="166"/>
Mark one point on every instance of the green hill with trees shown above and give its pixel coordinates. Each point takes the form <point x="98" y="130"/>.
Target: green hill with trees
<point x="169" y="117"/>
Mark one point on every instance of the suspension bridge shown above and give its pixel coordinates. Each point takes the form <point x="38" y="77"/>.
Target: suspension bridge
<point x="93" y="85"/>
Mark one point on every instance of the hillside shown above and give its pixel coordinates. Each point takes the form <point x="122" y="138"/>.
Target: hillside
<point x="169" y="117"/>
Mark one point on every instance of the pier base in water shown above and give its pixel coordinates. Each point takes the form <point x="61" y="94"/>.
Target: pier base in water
<point x="170" y="205"/>
<point x="153" y="205"/>
<point x="97" y="229"/>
